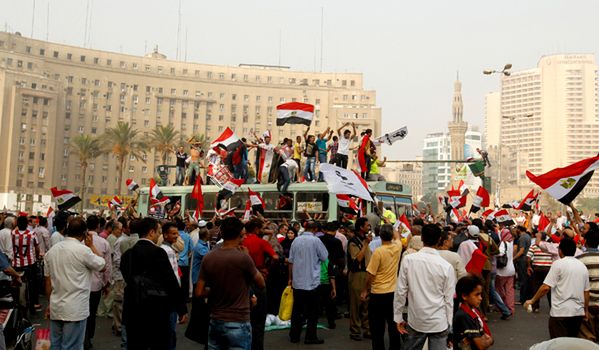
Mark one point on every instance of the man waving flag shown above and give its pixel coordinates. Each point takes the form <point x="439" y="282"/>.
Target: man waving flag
<point x="564" y="184"/>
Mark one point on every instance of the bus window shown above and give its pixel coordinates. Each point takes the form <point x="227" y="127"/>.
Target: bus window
<point x="209" y="204"/>
<point x="388" y="202"/>
<point x="238" y="201"/>
<point x="315" y="203"/>
<point x="273" y="212"/>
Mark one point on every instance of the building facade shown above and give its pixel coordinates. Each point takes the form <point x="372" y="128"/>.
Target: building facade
<point x="51" y="92"/>
<point x="409" y="174"/>
<point x="437" y="176"/>
<point x="548" y="117"/>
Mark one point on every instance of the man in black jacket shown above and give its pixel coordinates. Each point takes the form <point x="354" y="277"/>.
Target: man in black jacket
<point x="152" y="292"/>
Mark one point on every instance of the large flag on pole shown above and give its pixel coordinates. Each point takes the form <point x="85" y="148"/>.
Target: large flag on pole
<point x="228" y="140"/>
<point x="295" y="113"/>
<point x="197" y="194"/>
<point x="343" y="181"/>
<point x="528" y="202"/>
<point x="564" y="184"/>
<point x="481" y="200"/>
<point x="64" y="198"/>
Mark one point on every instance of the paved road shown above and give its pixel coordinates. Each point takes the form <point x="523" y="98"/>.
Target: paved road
<point x="518" y="333"/>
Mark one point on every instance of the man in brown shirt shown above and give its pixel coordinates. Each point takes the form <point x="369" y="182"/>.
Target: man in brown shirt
<point x="358" y="257"/>
<point x="229" y="271"/>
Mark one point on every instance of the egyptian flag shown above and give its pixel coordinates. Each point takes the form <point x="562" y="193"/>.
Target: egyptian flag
<point x="481" y="200"/>
<point x="503" y="217"/>
<point x="227" y="140"/>
<point x="64" y="198"/>
<point x="463" y="188"/>
<point x="543" y="222"/>
<point x="265" y="160"/>
<point x="528" y="202"/>
<point x="456" y="199"/>
<point x="131" y="185"/>
<point x="247" y="214"/>
<point x="50" y="216"/>
<point x="295" y="113"/>
<point x="347" y="204"/>
<point x="564" y="184"/>
<point x="223" y="213"/>
<point x="229" y="189"/>
<point x="454" y="216"/>
<point x="115" y="203"/>
<point x="155" y="191"/>
<point x="364" y="146"/>
<point x="160" y="202"/>
<point x="403" y="226"/>
<point x="257" y="202"/>
<point x="489" y="214"/>
<point x="197" y="194"/>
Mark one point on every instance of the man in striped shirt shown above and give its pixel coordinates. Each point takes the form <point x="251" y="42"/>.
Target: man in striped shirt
<point x="589" y="328"/>
<point x="539" y="263"/>
<point x="25" y="254"/>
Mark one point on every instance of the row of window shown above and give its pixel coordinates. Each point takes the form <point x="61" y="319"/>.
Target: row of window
<point x="185" y="71"/>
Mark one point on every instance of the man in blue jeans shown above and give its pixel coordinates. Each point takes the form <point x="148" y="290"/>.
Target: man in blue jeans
<point x="68" y="267"/>
<point x="229" y="271"/>
<point x="321" y="144"/>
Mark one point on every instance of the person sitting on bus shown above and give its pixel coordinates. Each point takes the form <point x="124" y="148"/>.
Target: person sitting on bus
<point x="375" y="163"/>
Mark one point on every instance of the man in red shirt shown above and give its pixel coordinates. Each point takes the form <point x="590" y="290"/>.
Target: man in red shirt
<point x="259" y="249"/>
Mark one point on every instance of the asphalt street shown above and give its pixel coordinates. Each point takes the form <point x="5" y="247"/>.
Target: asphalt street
<point x="520" y="332"/>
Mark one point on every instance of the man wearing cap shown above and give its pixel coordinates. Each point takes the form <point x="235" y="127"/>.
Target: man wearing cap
<point x="467" y="249"/>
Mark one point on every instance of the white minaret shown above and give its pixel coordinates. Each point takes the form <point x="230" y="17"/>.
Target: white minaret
<point x="457" y="127"/>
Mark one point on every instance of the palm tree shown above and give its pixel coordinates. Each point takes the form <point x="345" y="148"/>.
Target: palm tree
<point x="164" y="139"/>
<point x="87" y="148"/>
<point x="123" y="141"/>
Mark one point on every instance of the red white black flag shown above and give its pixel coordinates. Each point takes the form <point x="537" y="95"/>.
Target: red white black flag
<point x="504" y="217"/>
<point x="529" y="201"/>
<point x="481" y="200"/>
<point x="564" y="184"/>
<point x="64" y="198"/>
<point x="295" y="113"/>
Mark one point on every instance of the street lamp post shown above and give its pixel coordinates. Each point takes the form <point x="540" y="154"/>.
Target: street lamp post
<point x="506" y="73"/>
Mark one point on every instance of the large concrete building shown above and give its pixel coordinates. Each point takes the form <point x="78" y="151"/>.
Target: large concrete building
<point x="409" y="174"/>
<point x="51" y="92"/>
<point x="547" y="117"/>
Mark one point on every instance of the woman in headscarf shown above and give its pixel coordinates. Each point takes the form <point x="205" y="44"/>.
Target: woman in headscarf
<point x="504" y="282"/>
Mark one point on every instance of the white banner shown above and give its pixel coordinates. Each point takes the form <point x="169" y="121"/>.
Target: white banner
<point x="391" y="137"/>
<point x="343" y="181"/>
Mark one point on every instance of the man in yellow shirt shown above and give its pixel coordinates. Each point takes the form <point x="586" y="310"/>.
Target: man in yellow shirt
<point x="381" y="283"/>
<point x="297" y="155"/>
<point x="388" y="216"/>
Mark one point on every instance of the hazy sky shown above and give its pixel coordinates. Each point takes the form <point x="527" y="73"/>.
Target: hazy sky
<point x="409" y="51"/>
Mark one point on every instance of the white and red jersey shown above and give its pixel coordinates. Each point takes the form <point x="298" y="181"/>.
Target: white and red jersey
<point x="24" y="243"/>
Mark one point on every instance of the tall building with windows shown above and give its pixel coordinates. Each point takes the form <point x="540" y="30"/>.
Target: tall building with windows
<point x="437" y="177"/>
<point x="548" y="116"/>
<point x="51" y="92"/>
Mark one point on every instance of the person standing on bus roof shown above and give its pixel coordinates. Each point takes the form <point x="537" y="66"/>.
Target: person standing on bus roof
<point x="342" y="157"/>
<point x="321" y="144"/>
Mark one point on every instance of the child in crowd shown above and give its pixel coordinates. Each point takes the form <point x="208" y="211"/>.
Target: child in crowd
<point x="470" y="331"/>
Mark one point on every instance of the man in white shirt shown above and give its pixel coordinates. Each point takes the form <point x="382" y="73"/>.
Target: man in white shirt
<point x="428" y="281"/>
<point x="6" y="237"/>
<point x="344" y="143"/>
<point x="69" y="266"/>
<point x="100" y="280"/>
<point x="568" y="280"/>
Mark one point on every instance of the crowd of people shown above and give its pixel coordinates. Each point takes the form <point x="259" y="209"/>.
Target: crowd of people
<point x="436" y="281"/>
<point x="290" y="161"/>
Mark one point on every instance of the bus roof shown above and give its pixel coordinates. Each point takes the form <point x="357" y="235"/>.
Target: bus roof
<point x="375" y="186"/>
